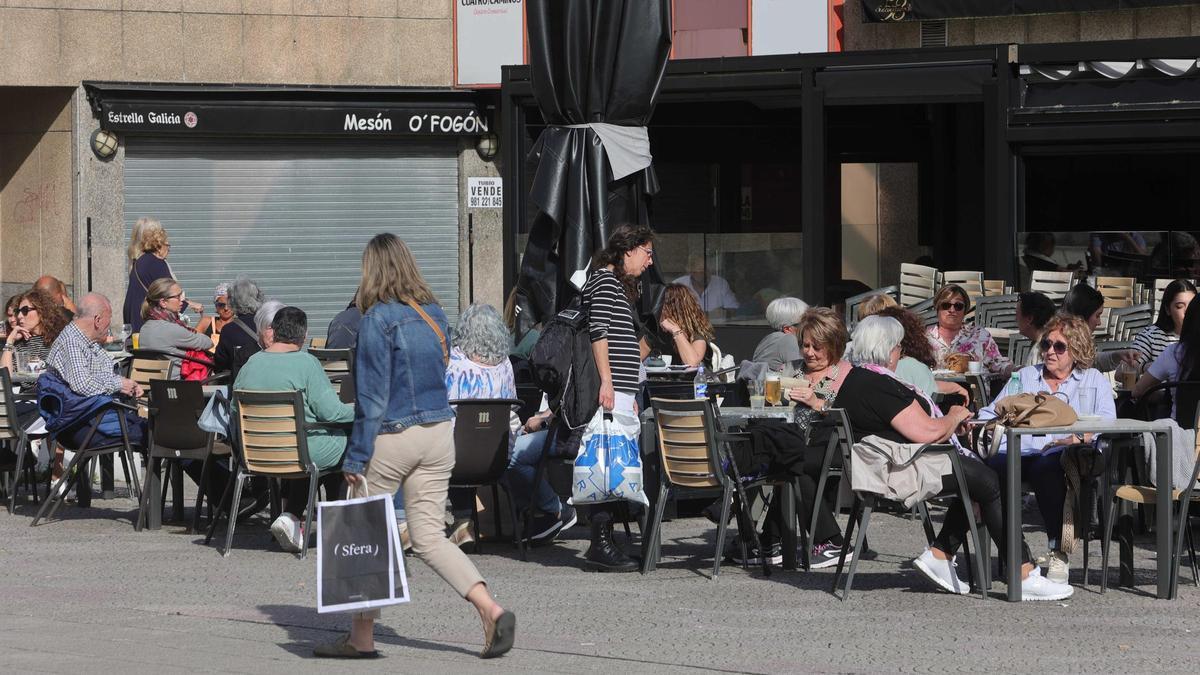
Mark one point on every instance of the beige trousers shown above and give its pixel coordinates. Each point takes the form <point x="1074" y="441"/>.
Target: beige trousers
<point x="420" y="460"/>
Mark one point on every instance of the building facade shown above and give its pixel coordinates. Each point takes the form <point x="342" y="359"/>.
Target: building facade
<point x="271" y="137"/>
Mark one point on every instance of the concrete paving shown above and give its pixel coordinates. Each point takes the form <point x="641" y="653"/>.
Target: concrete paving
<point x="87" y="593"/>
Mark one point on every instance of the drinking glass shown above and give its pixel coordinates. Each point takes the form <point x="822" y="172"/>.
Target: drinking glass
<point x="772" y="389"/>
<point x="757" y="400"/>
<point x="22" y="361"/>
<point x="125" y="332"/>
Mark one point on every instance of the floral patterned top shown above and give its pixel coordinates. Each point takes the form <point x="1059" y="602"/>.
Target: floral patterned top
<point x="973" y="340"/>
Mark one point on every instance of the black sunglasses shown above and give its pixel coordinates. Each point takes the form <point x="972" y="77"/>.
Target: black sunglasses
<point x="221" y="305"/>
<point x="1059" y="347"/>
<point x="25" y="310"/>
<point x="956" y="306"/>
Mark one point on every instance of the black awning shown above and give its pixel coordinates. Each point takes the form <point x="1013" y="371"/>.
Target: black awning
<point x="268" y="110"/>
<point x="924" y="10"/>
<point x="905" y="84"/>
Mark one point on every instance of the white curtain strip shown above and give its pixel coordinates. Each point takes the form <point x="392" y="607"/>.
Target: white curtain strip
<point x="1113" y="70"/>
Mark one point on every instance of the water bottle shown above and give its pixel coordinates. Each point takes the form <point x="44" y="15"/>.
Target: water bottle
<point x="700" y="384"/>
<point x="1014" y="384"/>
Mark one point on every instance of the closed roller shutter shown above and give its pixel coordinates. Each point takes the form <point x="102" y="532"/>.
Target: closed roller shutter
<point x="294" y="215"/>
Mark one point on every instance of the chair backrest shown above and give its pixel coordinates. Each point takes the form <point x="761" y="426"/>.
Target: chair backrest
<point x="10" y="427"/>
<point x="687" y="443"/>
<point x="917" y="283"/>
<point x="925" y="311"/>
<point x="175" y="406"/>
<point x="337" y="363"/>
<point x="1125" y="322"/>
<point x="1019" y="347"/>
<point x="145" y="368"/>
<point x="481" y="433"/>
<point x="996" y="311"/>
<point x="854" y="301"/>
<point x="317" y="342"/>
<point x="993" y="287"/>
<point x="270" y="432"/>
<point x="971" y="282"/>
<point x="1053" y="284"/>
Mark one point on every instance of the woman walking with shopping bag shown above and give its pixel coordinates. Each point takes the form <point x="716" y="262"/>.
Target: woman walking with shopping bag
<point x="403" y="435"/>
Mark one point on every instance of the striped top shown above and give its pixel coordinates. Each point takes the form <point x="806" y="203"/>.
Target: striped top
<point x="34" y="349"/>
<point x="1152" y="340"/>
<point x="611" y="318"/>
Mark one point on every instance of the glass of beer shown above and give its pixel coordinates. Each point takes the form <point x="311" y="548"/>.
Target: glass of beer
<point x="1127" y="375"/>
<point x="771" y="389"/>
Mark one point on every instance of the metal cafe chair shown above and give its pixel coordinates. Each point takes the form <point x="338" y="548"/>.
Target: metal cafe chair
<point x="173" y="437"/>
<point x="1187" y="412"/>
<point x="694" y="457"/>
<point x="269" y="439"/>
<point x="18" y="441"/>
<point x="865" y="503"/>
<point x="917" y="283"/>
<point x="481" y="432"/>
<point x="337" y="363"/>
<point x="854" y="301"/>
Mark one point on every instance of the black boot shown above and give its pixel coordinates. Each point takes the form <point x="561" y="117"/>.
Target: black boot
<point x="604" y="555"/>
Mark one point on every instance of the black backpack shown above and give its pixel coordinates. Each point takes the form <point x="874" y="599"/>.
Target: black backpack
<point x="563" y="367"/>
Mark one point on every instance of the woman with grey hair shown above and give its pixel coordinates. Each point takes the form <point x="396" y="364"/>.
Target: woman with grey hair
<point x="263" y="319"/>
<point x="239" y="339"/>
<point x="879" y="404"/>
<point x="781" y="347"/>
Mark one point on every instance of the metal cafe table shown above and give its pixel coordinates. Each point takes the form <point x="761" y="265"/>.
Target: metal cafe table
<point x="730" y="417"/>
<point x="1162" y="442"/>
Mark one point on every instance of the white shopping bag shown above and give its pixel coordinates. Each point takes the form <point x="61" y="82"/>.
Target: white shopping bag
<point x="360" y="564"/>
<point x="608" y="466"/>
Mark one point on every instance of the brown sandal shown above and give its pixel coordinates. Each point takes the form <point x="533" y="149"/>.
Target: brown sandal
<point x="342" y="649"/>
<point x="503" y="633"/>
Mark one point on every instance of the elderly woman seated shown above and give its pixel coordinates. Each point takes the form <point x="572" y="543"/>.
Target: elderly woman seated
<point x="878" y="403"/>
<point x="479" y="368"/>
<point x="163" y="330"/>
<point x="1067" y="351"/>
<point x="283" y="366"/>
<point x="238" y="339"/>
<point x="950" y="335"/>
<point x="780" y="349"/>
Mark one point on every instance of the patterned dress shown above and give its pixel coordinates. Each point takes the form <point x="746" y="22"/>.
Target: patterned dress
<point x="974" y="341"/>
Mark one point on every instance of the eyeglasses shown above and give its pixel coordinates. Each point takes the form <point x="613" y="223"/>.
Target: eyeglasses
<point x="1059" y="347"/>
<point x="647" y="251"/>
<point x="25" y="310"/>
<point x="956" y="306"/>
<point x="221" y="305"/>
<point x="172" y="297"/>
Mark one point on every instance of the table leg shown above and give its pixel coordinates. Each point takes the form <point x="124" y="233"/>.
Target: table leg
<point x="108" y="489"/>
<point x="152" y="487"/>
<point x="83" y="486"/>
<point x="177" y="490"/>
<point x="1162" y="517"/>
<point x="650" y="482"/>
<point x="1012" y="523"/>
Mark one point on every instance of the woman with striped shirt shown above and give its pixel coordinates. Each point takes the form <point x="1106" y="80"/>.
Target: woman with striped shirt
<point x="1153" y="339"/>
<point x="608" y="296"/>
<point x="38" y="321"/>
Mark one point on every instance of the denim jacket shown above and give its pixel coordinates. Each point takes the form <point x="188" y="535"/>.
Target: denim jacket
<point x="399" y="378"/>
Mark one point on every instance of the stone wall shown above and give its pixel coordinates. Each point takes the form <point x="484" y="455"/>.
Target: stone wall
<point x="1067" y="27"/>
<point x="35" y="186"/>
<point x="366" y="42"/>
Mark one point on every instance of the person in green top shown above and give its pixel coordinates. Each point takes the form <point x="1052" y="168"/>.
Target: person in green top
<point x="282" y="366"/>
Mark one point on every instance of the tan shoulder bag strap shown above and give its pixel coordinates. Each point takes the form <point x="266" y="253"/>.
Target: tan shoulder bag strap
<point x="436" y="330"/>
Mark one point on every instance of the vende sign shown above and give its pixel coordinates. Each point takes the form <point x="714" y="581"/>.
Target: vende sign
<point x="487" y="34"/>
<point x="485" y="193"/>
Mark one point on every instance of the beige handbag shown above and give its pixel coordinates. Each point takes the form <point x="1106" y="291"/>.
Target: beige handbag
<point x="1022" y="410"/>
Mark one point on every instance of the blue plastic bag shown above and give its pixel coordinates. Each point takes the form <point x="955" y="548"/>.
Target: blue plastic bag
<point x="608" y="467"/>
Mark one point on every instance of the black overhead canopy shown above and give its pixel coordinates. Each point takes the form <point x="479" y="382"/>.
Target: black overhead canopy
<point x="924" y="10"/>
<point x="273" y="110"/>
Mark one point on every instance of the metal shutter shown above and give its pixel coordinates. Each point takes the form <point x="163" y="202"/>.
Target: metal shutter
<point x="295" y="215"/>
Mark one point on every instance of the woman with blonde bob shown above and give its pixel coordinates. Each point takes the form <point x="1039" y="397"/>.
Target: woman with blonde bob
<point x="403" y="434"/>
<point x="687" y="325"/>
<point x="148" y="250"/>
<point x="1066" y="370"/>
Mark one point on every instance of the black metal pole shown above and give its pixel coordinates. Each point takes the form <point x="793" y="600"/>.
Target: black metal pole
<point x="471" y="258"/>
<point x="89" y="255"/>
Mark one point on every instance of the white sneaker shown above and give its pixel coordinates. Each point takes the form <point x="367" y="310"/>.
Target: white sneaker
<point x="1037" y="587"/>
<point x="288" y="533"/>
<point x="940" y="572"/>
<point x="1058" y="567"/>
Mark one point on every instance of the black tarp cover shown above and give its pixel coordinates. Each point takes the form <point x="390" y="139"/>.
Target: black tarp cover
<point x="590" y="61"/>
<point x="922" y="10"/>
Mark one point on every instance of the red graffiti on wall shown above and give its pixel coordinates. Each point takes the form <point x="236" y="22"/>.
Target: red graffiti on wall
<point x="34" y="203"/>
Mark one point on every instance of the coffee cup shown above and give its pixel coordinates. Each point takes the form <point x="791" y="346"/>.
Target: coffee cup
<point x="975" y="367"/>
<point x="666" y="359"/>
